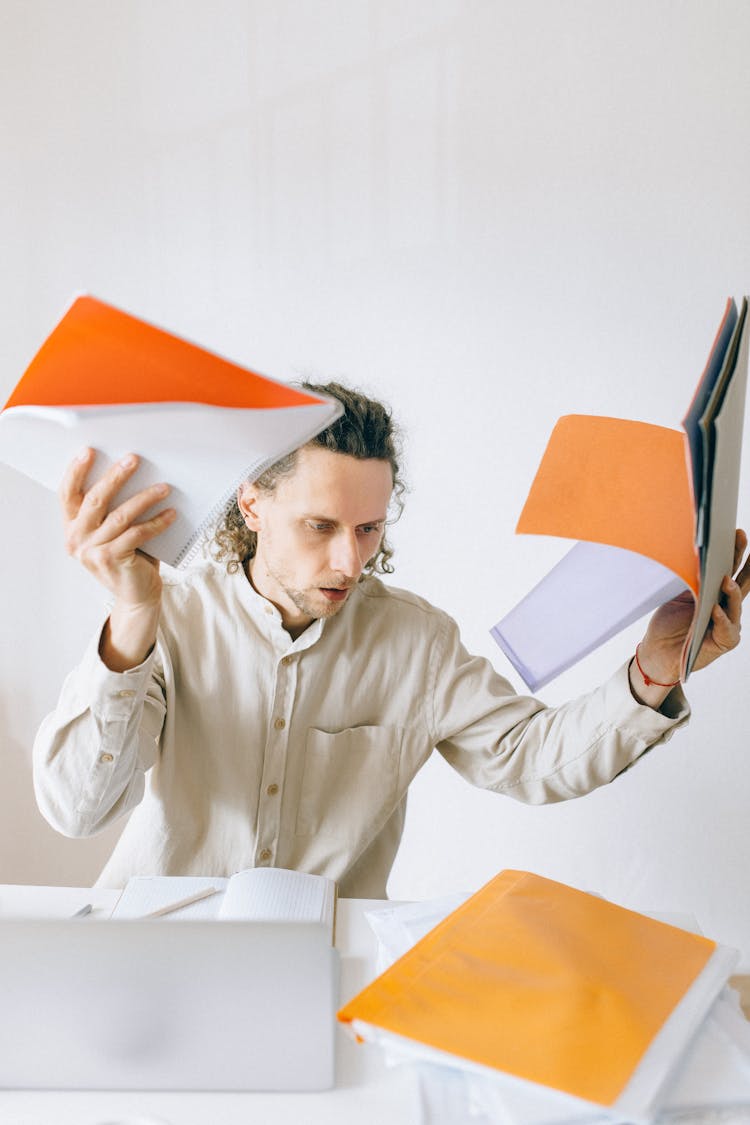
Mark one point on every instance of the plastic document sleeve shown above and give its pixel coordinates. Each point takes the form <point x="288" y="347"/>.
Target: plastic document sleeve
<point x="545" y="984"/>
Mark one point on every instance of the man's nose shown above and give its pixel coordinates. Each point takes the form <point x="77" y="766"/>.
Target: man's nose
<point x="345" y="556"/>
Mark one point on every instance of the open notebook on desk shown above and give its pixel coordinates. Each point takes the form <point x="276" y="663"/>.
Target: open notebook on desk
<point x="269" y="894"/>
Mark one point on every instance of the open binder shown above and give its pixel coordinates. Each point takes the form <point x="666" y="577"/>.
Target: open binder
<point x="654" y="509"/>
<point x="552" y="989"/>
<point x="108" y="380"/>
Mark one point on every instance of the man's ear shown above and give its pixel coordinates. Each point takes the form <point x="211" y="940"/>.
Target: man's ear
<point x="247" y="497"/>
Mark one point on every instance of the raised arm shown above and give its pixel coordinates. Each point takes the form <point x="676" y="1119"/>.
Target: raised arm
<point x="92" y="753"/>
<point x="107" y="539"/>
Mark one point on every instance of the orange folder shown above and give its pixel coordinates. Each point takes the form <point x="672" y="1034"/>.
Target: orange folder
<point x="596" y="482"/>
<point x="100" y="355"/>
<point x="539" y="981"/>
<point x="669" y="496"/>
<point x="109" y="380"/>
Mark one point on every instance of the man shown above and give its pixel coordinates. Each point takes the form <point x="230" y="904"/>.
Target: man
<point x="274" y="709"/>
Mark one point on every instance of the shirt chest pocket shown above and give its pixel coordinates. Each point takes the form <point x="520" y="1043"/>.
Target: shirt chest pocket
<point x="349" y="780"/>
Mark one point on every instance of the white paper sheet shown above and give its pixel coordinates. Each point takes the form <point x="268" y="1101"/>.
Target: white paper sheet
<point x="593" y="593"/>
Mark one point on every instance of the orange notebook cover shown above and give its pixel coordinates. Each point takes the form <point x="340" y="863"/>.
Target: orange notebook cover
<point x="99" y="355"/>
<point x="596" y="480"/>
<point x="540" y="981"/>
<point x="107" y="379"/>
<point x="654" y="506"/>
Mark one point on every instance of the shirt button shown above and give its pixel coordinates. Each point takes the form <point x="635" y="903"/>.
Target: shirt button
<point x="272" y="790"/>
<point x="285" y="660"/>
<point x="267" y="609"/>
<point x="125" y="694"/>
<point x="265" y="855"/>
<point x="106" y="757"/>
<point x="279" y="724"/>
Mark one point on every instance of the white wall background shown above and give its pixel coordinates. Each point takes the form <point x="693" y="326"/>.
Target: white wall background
<point x="490" y="213"/>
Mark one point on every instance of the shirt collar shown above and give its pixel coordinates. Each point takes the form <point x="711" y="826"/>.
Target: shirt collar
<point x="268" y="619"/>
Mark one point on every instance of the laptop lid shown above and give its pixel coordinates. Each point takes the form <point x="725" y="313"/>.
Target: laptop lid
<point x="146" y="1005"/>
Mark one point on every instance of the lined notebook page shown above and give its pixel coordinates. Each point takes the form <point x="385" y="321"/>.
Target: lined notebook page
<point x="146" y="893"/>
<point x="269" y="894"/>
<point x="272" y="894"/>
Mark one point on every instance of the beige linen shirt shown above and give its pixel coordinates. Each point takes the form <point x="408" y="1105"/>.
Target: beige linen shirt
<point x="233" y="746"/>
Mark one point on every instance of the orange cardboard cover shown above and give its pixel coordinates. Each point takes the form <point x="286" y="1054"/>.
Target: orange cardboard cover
<point x="107" y="380"/>
<point x="98" y="355"/>
<point x="654" y="511"/>
<point x="623" y="483"/>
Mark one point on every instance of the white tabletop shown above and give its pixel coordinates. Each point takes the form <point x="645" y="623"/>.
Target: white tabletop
<point x="366" y="1092"/>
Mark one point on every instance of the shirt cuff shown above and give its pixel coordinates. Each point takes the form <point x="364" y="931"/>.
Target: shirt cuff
<point x="113" y="693"/>
<point x="624" y="711"/>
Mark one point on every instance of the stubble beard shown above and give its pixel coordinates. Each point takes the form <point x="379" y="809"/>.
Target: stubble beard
<point x="322" y="608"/>
<point x="312" y="605"/>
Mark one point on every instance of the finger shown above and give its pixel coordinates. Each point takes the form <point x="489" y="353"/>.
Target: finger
<point x="72" y="486"/>
<point x="740" y="546"/>
<point x="725" y="633"/>
<point x="104" y="555"/>
<point x="134" y="538"/>
<point x="742" y="578"/>
<point x="121" y="518"/>
<point x="731" y="600"/>
<point x="98" y="499"/>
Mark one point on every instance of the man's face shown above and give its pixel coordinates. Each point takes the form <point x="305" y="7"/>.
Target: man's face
<point x="316" y="531"/>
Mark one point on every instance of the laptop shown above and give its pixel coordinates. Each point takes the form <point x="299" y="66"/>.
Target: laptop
<point x="144" y="1005"/>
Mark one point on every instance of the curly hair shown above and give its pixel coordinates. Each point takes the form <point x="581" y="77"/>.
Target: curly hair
<point x="364" y="430"/>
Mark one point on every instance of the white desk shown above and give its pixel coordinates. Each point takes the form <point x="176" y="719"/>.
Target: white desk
<point x="366" y="1091"/>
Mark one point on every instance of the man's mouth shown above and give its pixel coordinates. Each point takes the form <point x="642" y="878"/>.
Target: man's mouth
<point x="333" y="593"/>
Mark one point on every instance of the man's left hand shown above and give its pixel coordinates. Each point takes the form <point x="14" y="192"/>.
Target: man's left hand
<point x="660" y="651"/>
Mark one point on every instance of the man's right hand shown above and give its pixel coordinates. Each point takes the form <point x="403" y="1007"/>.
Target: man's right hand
<point x="107" y="540"/>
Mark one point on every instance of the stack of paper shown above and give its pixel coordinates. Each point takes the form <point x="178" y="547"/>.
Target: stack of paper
<point x="542" y="1003"/>
<point x="655" y="510"/>
<point x="108" y="380"/>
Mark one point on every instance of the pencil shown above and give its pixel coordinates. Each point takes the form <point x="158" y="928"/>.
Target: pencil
<point x="205" y="893"/>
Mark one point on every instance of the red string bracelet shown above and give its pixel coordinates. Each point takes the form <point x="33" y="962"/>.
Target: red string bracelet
<point x="647" y="679"/>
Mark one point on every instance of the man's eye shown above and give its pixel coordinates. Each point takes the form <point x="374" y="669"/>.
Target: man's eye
<point x="369" y="528"/>
<point x="320" y="526"/>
